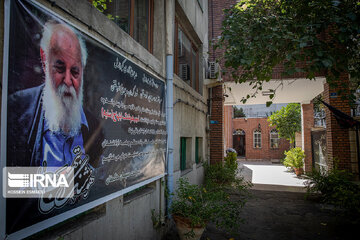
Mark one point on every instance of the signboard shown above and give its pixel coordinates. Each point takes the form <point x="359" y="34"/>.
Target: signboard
<point x="72" y="101"/>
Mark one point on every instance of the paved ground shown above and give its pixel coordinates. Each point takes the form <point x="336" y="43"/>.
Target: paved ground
<point x="278" y="210"/>
<point x="269" y="176"/>
<point x="275" y="215"/>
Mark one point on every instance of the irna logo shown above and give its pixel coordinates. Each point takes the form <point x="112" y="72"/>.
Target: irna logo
<point x="37" y="180"/>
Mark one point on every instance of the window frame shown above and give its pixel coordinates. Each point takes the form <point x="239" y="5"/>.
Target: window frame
<point x="131" y="20"/>
<point x="193" y="48"/>
<point x="182" y="153"/>
<point x="257" y="133"/>
<point x="277" y="139"/>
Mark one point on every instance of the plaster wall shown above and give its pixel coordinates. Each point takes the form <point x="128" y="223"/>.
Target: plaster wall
<point x="197" y="14"/>
<point x="191" y="122"/>
<point x="190" y="107"/>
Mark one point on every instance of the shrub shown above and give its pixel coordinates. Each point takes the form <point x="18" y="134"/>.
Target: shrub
<point x="225" y="175"/>
<point x="294" y="158"/>
<point x="336" y="188"/>
<point x="199" y="205"/>
<point x="231" y="161"/>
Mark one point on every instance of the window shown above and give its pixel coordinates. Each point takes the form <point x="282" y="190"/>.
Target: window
<point x="182" y="154"/>
<point x="133" y="16"/>
<point x="185" y="153"/>
<point x="257" y="138"/>
<point x="198" y="150"/>
<point x="274" y="139"/>
<point x="186" y="64"/>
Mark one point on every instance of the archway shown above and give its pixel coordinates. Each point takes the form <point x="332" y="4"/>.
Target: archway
<point x="239" y="142"/>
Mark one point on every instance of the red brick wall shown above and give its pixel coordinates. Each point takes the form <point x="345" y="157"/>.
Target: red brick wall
<point x="228" y="126"/>
<point x="216" y="17"/>
<point x="337" y="138"/>
<point x="308" y="121"/>
<point x="217" y="125"/>
<point x="265" y="152"/>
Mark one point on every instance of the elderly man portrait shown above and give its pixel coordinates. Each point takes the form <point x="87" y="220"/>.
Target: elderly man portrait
<point x="47" y="124"/>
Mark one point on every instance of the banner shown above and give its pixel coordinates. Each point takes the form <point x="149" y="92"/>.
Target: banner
<point x="72" y="101"/>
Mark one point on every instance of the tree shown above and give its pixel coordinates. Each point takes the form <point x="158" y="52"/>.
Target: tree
<point x="287" y="121"/>
<point x="238" y="112"/>
<point x="309" y="36"/>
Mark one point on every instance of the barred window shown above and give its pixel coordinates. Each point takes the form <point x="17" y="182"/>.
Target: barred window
<point x="274" y="139"/>
<point x="257" y="138"/>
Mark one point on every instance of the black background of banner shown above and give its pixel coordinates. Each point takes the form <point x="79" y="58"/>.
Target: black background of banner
<point x="25" y="71"/>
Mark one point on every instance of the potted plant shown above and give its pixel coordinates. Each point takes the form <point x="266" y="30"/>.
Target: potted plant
<point x="194" y="206"/>
<point x="294" y="159"/>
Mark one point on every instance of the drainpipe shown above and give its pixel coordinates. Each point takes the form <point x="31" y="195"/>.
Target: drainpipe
<point x="169" y="20"/>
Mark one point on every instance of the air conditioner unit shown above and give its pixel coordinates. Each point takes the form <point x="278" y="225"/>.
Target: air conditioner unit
<point x="213" y="69"/>
<point x="185" y="72"/>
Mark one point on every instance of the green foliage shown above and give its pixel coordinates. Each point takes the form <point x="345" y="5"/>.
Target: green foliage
<point x="238" y="112"/>
<point x="294" y="158"/>
<point x="156" y="219"/>
<point x="287" y="121"/>
<point x="257" y="35"/>
<point x="100" y="5"/>
<point x="231" y="161"/>
<point x="336" y="188"/>
<point x="199" y="205"/>
<point x="213" y="202"/>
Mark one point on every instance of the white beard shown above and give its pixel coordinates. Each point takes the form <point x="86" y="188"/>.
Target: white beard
<point x="63" y="114"/>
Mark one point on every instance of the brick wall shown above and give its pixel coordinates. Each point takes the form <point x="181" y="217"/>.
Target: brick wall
<point x="265" y="152"/>
<point x="228" y="126"/>
<point x="337" y="138"/>
<point x="217" y="125"/>
<point x="308" y="123"/>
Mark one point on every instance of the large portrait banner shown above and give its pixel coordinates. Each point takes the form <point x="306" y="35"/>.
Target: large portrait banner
<point x="74" y="102"/>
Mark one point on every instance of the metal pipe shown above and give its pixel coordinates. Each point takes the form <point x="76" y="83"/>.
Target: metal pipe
<point x="170" y="129"/>
<point x="170" y="25"/>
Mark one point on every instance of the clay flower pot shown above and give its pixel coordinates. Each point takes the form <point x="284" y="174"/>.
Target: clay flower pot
<point x="298" y="171"/>
<point x="183" y="226"/>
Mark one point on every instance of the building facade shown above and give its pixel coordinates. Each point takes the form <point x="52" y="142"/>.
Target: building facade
<point x="295" y="88"/>
<point x="253" y="138"/>
<point x="169" y="40"/>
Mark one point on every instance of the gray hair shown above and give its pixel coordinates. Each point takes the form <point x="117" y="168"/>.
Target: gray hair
<point x="48" y="31"/>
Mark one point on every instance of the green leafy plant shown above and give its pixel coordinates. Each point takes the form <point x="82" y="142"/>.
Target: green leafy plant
<point x="231" y="161"/>
<point x="294" y="158"/>
<point x="238" y="112"/>
<point x="287" y="121"/>
<point x="258" y="35"/>
<point x="226" y="175"/>
<point x="335" y="187"/>
<point x="199" y="205"/>
<point x="156" y="219"/>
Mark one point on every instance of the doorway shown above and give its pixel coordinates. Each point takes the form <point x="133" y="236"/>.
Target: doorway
<point x="239" y="142"/>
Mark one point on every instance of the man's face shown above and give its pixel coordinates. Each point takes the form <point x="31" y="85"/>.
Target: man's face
<point x="65" y="67"/>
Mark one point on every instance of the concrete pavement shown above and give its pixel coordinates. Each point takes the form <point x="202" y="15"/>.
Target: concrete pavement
<point x="266" y="175"/>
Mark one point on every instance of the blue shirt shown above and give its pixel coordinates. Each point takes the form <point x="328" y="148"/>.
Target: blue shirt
<point x="57" y="148"/>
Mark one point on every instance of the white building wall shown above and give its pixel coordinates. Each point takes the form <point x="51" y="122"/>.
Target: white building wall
<point x="190" y="107"/>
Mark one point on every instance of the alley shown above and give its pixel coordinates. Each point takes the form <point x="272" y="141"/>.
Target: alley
<point x="276" y="215"/>
<point x="287" y="215"/>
